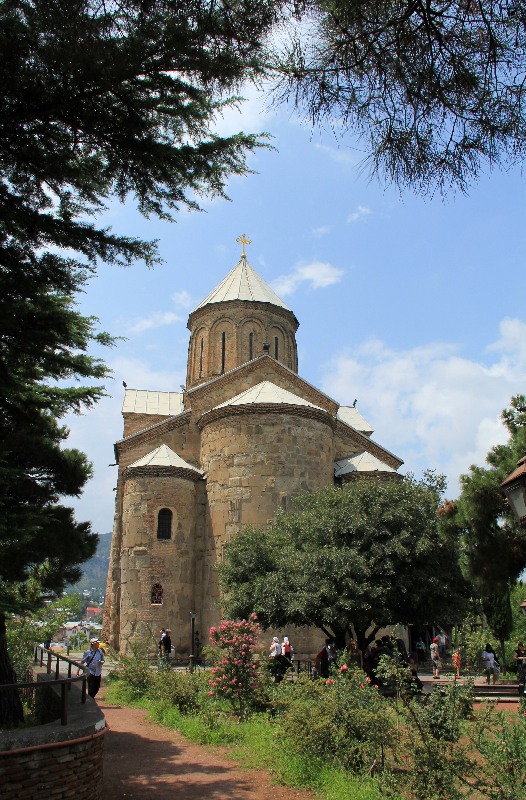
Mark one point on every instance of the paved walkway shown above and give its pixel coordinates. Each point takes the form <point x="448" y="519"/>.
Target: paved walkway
<point x="145" y="761"/>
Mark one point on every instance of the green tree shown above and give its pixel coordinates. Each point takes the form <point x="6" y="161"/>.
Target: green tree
<point x="368" y="553"/>
<point x="434" y="89"/>
<point x="493" y="543"/>
<point x="99" y="100"/>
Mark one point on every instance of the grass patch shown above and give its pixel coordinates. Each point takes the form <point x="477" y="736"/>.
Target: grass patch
<point x="256" y="747"/>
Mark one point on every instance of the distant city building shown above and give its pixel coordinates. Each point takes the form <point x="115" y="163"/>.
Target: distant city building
<point x="244" y="436"/>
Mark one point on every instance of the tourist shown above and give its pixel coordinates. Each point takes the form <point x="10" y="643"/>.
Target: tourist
<point x="354" y="654"/>
<point x="457" y="659"/>
<point x="490" y="663"/>
<point x="435" y="657"/>
<point x="442" y="641"/>
<point x="286" y="649"/>
<point x="421" y="650"/>
<point x="167" y="646"/>
<point x="93" y="659"/>
<point x="275" y="648"/>
<point x="520" y="657"/>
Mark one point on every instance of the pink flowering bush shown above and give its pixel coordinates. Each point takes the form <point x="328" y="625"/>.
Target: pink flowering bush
<point x="235" y="678"/>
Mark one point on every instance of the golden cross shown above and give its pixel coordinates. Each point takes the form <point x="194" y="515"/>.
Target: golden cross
<point x="243" y="241"/>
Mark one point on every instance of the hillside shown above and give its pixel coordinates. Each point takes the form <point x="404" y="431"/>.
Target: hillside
<point x="95" y="571"/>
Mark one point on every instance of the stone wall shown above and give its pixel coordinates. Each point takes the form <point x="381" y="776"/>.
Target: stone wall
<point x="54" y="761"/>
<point x="230" y="325"/>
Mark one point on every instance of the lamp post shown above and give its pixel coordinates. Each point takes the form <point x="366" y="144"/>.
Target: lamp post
<point x="514" y="487"/>
<point x="192" y="654"/>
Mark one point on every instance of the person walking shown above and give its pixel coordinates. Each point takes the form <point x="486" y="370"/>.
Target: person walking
<point x="491" y="664"/>
<point x="167" y="647"/>
<point x="421" y="650"/>
<point x="520" y="657"/>
<point x="286" y="649"/>
<point x="93" y="659"/>
<point x="435" y="657"/>
<point x="275" y="648"/>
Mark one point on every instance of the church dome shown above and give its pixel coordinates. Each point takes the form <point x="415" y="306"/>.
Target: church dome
<point x="240" y="320"/>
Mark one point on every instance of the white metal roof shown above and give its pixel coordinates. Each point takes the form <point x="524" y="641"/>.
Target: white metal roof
<point x="361" y="462"/>
<point x="243" y="283"/>
<point x="163" y="456"/>
<point x="267" y="392"/>
<point x="144" y="401"/>
<point x="351" y="416"/>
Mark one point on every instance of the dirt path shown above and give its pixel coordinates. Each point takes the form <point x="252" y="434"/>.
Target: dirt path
<point x="145" y="761"/>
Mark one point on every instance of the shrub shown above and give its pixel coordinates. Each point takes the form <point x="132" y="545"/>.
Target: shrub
<point x="182" y="690"/>
<point x="133" y="668"/>
<point x="341" y="721"/>
<point x="235" y="677"/>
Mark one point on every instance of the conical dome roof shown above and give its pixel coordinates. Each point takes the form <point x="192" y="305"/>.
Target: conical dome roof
<point x="242" y="283"/>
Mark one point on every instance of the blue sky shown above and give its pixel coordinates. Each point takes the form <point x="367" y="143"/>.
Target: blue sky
<point x="414" y="306"/>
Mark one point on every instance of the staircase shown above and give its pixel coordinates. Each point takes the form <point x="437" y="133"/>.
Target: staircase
<point x="498" y="693"/>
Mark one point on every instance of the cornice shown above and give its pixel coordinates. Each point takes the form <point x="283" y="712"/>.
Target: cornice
<point x="214" y="310"/>
<point x="162" y="472"/>
<point x="367" y="444"/>
<point x="266" y="408"/>
<point x="251" y="366"/>
<point x="147" y="434"/>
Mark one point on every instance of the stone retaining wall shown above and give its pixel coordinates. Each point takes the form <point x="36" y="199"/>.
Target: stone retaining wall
<point x="54" y="761"/>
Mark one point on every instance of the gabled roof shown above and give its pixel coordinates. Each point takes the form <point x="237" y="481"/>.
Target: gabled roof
<point x="242" y="283"/>
<point x="144" y="401"/>
<point x="267" y="393"/>
<point x="361" y="462"/>
<point x="163" y="456"/>
<point x="351" y="416"/>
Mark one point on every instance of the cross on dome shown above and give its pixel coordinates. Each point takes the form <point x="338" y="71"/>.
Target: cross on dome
<point x="243" y="241"/>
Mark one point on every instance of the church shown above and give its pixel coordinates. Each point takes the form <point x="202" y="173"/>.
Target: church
<point x="242" y="438"/>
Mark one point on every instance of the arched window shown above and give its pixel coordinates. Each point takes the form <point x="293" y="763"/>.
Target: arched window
<point x="250" y="346"/>
<point x="276" y="347"/>
<point x="156" y="596"/>
<point x="164" y="524"/>
<point x="223" y="352"/>
<point x="201" y="358"/>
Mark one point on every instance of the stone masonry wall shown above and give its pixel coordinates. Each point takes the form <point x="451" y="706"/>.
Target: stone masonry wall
<point x="237" y="320"/>
<point x="146" y="560"/>
<point x="63" y="771"/>
<point x="255" y="463"/>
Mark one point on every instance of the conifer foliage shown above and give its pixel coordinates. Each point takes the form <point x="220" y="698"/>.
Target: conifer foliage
<point x="100" y="100"/>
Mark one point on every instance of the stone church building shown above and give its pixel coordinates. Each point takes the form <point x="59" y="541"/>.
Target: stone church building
<point x="244" y="436"/>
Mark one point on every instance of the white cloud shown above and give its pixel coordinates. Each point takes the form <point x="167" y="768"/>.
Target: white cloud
<point x="338" y="155"/>
<point x="250" y="115"/>
<point x="432" y="407"/>
<point x="157" y="320"/>
<point x="182" y="299"/>
<point x="360" y="213"/>
<point x="96" y="431"/>
<point x="317" y="274"/>
<point x="323" y="230"/>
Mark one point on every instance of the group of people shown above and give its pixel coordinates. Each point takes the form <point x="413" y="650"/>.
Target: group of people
<point x="283" y="648"/>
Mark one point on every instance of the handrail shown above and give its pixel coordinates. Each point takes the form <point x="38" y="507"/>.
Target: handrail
<point x="57" y="681"/>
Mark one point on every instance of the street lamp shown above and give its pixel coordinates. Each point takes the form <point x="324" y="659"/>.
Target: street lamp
<point x="514" y="487"/>
<point x="192" y="654"/>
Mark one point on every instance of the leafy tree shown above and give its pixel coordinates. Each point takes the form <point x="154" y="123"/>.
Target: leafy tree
<point x="368" y="553"/>
<point x="493" y="543"/>
<point x="434" y="89"/>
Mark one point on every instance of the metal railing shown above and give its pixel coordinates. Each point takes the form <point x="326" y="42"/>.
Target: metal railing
<point x="43" y="654"/>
